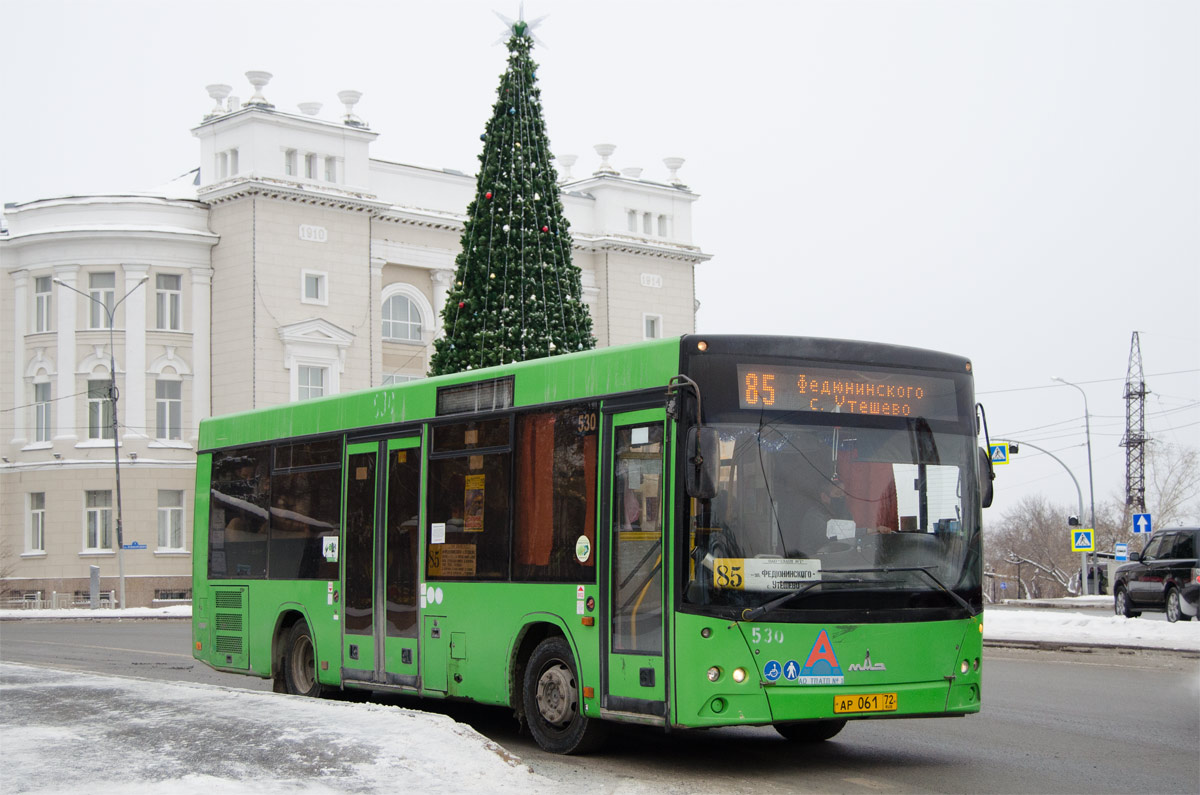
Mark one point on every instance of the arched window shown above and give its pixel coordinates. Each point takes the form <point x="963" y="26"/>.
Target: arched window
<point x="401" y="319"/>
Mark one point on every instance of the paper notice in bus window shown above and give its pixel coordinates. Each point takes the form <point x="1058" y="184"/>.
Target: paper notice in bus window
<point x="473" y="504"/>
<point x="437" y="533"/>
<point x="451" y="560"/>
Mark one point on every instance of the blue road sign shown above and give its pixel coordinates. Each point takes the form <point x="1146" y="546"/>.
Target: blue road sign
<point x="1083" y="540"/>
<point x="1142" y="523"/>
<point x="1121" y="551"/>
<point x="999" y="453"/>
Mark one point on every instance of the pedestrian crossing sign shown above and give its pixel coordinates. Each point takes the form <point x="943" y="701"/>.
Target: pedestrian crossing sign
<point x="999" y="453"/>
<point x="1083" y="540"/>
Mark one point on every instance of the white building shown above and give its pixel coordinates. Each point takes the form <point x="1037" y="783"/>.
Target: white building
<point x="289" y="265"/>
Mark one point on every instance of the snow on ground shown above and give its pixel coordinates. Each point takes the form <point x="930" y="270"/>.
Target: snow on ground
<point x="1076" y="627"/>
<point x="65" y="732"/>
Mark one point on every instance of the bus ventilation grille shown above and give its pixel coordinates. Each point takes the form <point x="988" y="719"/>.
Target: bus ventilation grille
<point x="228" y="600"/>
<point x="229" y="644"/>
<point x="229" y="641"/>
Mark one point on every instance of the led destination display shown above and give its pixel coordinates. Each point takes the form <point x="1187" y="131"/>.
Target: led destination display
<point x="871" y="392"/>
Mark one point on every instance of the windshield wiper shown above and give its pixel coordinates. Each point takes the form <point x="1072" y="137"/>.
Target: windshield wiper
<point x="754" y="613"/>
<point x="940" y="584"/>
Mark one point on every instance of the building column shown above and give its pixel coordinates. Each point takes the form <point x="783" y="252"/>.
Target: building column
<point x="134" y="416"/>
<point x="375" y="339"/>
<point x="20" y="327"/>
<point x="442" y="280"/>
<point x="201" y="321"/>
<point x="66" y="409"/>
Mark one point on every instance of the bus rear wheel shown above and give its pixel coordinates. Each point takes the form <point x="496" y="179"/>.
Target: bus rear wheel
<point x="813" y="731"/>
<point x="300" y="662"/>
<point x="551" y="700"/>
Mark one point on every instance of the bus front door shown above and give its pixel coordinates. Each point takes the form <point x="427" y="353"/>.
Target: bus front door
<point x="380" y="554"/>
<point x="634" y="673"/>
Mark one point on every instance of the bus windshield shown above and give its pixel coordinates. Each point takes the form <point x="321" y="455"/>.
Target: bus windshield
<point x="849" y="513"/>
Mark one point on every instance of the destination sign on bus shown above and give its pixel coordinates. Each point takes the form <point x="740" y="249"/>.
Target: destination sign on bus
<point x="870" y="392"/>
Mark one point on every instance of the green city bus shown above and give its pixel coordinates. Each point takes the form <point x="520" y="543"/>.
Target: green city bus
<point x="690" y="532"/>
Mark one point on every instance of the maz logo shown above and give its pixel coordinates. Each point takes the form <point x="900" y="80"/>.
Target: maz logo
<point x="867" y="665"/>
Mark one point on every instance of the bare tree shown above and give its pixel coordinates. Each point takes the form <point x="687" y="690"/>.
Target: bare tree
<point x="1030" y="547"/>
<point x="1174" y="497"/>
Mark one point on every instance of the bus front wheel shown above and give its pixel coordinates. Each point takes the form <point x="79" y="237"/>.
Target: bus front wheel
<point x="300" y="662"/>
<point x="552" y="703"/>
<point x="813" y="731"/>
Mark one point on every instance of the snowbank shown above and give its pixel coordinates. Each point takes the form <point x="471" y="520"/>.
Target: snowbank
<point x="110" y="735"/>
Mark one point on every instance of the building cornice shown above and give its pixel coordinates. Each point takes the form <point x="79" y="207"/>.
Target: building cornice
<point x="266" y="187"/>
<point x="646" y="248"/>
<point x="176" y="235"/>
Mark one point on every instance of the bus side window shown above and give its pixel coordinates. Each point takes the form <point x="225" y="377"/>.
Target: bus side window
<point x="556" y="490"/>
<point x="238" y="526"/>
<point x="468" y="494"/>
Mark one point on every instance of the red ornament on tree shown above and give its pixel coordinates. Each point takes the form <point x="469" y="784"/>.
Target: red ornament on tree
<point x="487" y="195"/>
<point x="545" y="229"/>
<point x="461" y="304"/>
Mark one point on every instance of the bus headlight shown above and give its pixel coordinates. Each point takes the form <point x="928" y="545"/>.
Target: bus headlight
<point x="714" y="674"/>
<point x="739" y="675"/>
<point x="966" y="666"/>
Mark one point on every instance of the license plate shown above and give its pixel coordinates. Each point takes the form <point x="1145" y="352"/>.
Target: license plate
<point x="867" y="702"/>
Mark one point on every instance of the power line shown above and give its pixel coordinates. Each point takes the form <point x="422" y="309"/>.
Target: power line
<point x="1097" y="381"/>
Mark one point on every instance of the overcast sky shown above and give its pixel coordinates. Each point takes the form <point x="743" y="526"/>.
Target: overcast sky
<point x="1017" y="182"/>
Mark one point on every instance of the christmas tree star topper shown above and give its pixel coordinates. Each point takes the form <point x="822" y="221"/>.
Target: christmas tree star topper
<point x="519" y="27"/>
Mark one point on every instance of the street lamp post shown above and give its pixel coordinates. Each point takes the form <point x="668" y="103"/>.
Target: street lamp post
<point x="1087" y="425"/>
<point x="112" y="396"/>
<point x="1078" y="496"/>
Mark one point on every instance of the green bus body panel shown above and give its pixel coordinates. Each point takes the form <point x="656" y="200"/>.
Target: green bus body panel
<point x="920" y="662"/>
<point x="577" y="376"/>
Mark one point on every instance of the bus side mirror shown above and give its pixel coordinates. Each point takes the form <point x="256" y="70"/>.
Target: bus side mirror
<point x="986" y="476"/>
<point x="701" y="456"/>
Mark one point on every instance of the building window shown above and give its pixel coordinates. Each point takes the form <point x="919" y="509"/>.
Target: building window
<point x="651" y="327"/>
<point x="100" y="414"/>
<point x="233" y="161"/>
<point x="37" y="522"/>
<point x="170" y="520"/>
<point x="662" y="226"/>
<point x="310" y="166"/>
<point x="647" y="219"/>
<point x="632" y="215"/>
<point x="313" y="287"/>
<point x="164" y="595"/>
<point x="102" y="288"/>
<point x="42" y="306"/>
<point x="401" y="320"/>
<point x="311" y="382"/>
<point x="168" y="300"/>
<point x="98" y="533"/>
<point x="41" y="412"/>
<point x="168" y="397"/>
<point x="289" y="162"/>
<point x="398" y="378"/>
<point x="331" y="169"/>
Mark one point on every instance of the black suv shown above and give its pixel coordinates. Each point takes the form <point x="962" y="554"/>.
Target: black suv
<point x="1166" y="577"/>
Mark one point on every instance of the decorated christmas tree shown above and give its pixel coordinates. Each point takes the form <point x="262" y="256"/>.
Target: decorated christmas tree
<point x="516" y="294"/>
